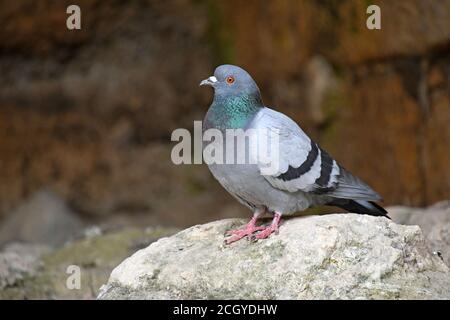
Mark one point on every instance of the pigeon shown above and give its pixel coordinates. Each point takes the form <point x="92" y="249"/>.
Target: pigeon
<point x="306" y="175"/>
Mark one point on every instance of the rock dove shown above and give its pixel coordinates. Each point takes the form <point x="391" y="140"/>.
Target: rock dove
<point x="307" y="175"/>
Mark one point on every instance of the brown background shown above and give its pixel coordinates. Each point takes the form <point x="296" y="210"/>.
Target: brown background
<point x="88" y="114"/>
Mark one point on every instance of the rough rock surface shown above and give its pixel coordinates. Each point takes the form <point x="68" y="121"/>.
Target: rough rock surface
<point x="34" y="272"/>
<point x="320" y="257"/>
<point x="19" y="261"/>
<point x="434" y="222"/>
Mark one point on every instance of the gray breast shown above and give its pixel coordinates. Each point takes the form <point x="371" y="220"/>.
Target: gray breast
<point x="250" y="188"/>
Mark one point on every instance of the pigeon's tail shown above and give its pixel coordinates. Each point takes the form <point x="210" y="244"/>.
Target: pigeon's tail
<point x="360" y="206"/>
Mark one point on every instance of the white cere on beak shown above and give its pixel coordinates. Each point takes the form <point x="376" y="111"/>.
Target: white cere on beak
<point x="209" y="82"/>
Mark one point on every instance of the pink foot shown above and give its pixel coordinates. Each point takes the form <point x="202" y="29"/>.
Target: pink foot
<point x="270" y="229"/>
<point x="248" y="230"/>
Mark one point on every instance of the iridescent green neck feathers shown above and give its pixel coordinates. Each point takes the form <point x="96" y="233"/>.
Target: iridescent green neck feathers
<point x="232" y="112"/>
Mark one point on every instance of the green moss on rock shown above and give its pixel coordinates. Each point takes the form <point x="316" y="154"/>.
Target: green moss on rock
<point x="95" y="256"/>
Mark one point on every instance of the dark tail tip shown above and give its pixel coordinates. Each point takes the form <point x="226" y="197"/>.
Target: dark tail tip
<point x="361" y="207"/>
<point x="380" y="209"/>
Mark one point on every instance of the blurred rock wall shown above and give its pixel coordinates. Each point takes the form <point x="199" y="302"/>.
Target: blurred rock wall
<point x="89" y="113"/>
<point x="386" y="109"/>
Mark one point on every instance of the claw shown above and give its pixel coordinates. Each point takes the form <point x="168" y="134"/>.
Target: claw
<point x="250" y="231"/>
<point x="236" y="235"/>
<point x="273" y="228"/>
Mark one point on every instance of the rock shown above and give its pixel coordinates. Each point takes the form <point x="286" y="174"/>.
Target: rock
<point x="415" y="134"/>
<point x="81" y="110"/>
<point x="434" y="222"/>
<point x="426" y="219"/>
<point x="44" y="218"/>
<point x="439" y="241"/>
<point x="43" y="274"/>
<point x="19" y="261"/>
<point x="336" y="28"/>
<point x="337" y="256"/>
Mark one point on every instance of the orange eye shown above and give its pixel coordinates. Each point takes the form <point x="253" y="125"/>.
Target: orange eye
<point x="230" y="80"/>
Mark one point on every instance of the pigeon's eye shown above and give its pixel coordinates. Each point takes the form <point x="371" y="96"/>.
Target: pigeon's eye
<point x="230" y="80"/>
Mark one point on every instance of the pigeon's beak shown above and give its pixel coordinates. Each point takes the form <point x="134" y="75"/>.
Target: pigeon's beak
<point x="209" y="82"/>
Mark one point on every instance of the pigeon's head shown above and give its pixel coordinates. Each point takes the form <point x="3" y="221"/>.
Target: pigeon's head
<point x="232" y="81"/>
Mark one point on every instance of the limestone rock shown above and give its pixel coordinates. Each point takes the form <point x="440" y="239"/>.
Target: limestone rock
<point x="338" y="256"/>
<point x="19" y="261"/>
<point x="30" y="272"/>
<point x="434" y="222"/>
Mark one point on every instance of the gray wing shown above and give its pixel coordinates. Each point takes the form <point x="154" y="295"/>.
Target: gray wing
<point x="303" y="165"/>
